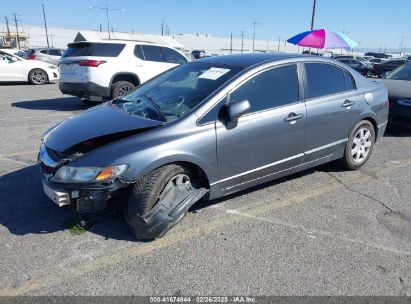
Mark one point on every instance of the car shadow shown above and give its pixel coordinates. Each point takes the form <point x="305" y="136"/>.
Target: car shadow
<point x="55" y="104"/>
<point x="25" y="209"/>
<point x="15" y="83"/>
<point x="396" y="129"/>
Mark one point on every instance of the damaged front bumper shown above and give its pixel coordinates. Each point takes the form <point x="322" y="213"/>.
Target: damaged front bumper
<point x="89" y="201"/>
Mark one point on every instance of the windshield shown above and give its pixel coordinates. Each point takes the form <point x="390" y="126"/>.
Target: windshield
<point x="176" y="92"/>
<point x="8" y="56"/>
<point x="401" y="73"/>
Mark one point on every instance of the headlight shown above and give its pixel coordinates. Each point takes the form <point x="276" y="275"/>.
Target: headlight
<point x="52" y="67"/>
<point x="68" y="174"/>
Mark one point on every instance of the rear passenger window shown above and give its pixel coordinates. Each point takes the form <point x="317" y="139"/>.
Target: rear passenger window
<point x="152" y="53"/>
<point x="138" y="52"/>
<point x="108" y="49"/>
<point x="270" y="89"/>
<point x="43" y="51"/>
<point x="349" y="82"/>
<point x="324" y="79"/>
<point x="54" y="52"/>
<point x="172" y="56"/>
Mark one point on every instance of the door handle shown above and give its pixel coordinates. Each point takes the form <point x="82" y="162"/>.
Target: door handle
<point x="348" y="103"/>
<point x="293" y="117"/>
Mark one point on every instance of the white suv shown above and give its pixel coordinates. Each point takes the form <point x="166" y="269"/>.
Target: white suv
<point x="112" y="68"/>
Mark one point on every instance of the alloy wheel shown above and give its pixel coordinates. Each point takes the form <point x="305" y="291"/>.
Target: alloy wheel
<point x="361" y="145"/>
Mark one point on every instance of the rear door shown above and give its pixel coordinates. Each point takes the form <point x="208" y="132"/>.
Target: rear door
<point x="267" y="141"/>
<point x="333" y="108"/>
<point x="54" y="56"/>
<point x="157" y="60"/>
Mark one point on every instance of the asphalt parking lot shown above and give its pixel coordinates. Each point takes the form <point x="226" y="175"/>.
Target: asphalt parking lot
<point x="321" y="232"/>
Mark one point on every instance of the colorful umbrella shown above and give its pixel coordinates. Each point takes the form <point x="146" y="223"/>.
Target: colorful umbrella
<point x="321" y="39"/>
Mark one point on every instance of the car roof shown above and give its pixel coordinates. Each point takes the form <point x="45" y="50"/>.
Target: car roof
<point x="251" y="59"/>
<point x="121" y="41"/>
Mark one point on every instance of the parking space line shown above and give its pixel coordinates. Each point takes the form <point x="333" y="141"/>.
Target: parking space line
<point x="313" y="232"/>
<point x="39" y="116"/>
<point x="190" y="233"/>
<point x="18" y="153"/>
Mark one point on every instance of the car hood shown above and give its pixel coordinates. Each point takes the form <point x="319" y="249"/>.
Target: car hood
<point x="94" y="123"/>
<point x="398" y="88"/>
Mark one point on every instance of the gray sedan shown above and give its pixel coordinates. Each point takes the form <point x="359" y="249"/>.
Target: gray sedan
<point x="208" y="129"/>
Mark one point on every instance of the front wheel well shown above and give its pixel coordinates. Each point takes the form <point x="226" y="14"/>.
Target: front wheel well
<point x="199" y="175"/>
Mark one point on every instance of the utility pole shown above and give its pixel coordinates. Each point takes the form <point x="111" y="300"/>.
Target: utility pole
<point x="242" y="41"/>
<point x="402" y="44"/>
<point x="162" y="27"/>
<point x="231" y="43"/>
<point x="7" y="25"/>
<point x="107" y="9"/>
<point x="45" y="26"/>
<point x="279" y="42"/>
<point x="17" y="29"/>
<point x="52" y="42"/>
<point x="100" y="28"/>
<point x="313" y="15"/>
<point x="254" y="24"/>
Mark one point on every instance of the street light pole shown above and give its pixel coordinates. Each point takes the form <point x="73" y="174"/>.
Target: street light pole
<point x="107" y="9"/>
<point x="313" y="15"/>
<point x="254" y="24"/>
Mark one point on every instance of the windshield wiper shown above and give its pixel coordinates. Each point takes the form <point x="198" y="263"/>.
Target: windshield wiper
<point x="156" y="107"/>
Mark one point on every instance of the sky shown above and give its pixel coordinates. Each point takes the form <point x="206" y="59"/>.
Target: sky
<point x="371" y="23"/>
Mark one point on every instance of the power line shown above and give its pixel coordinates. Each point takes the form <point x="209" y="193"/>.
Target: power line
<point x="45" y="26"/>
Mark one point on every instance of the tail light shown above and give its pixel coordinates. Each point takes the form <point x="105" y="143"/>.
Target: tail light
<point x="91" y="63"/>
<point x="31" y="57"/>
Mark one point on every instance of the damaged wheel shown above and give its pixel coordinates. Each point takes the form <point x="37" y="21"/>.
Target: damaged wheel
<point x="159" y="200"/>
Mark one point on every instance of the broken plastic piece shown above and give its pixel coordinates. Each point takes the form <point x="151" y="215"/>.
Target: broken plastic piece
<point x="166" y="213"/>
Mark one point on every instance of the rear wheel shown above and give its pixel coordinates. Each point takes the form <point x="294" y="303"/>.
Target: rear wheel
<point x="121" y="88"/>
<point x="38" y="77"/>
<point x="359" y="146"/>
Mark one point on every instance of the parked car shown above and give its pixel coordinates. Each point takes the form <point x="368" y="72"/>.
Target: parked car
<point x="50" y="55"/>
<point x="368" y="58"/>
<point x="360" y="66"/>
<point x="360" y="58"/>
<point x="377" y="60"/>
<point x="408" y="58"/>
<point x="378" y="55"/>
<point x="398" y="83"/>
<point x="197" y="54"/>
<point x="176" y="139"/>
<point x="14" y="68"/>
<point x="380" y="69"/>
<point x="109" y="69"/>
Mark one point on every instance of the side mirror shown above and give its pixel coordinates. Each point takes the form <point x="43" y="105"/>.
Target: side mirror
<point x="237" y="109"/>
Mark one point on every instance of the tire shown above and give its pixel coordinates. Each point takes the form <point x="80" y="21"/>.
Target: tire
<point x="146" y="192"/>
<point x="359" y="146"/>
<point x="121" y="88"/>
<point x="38" y="77"/>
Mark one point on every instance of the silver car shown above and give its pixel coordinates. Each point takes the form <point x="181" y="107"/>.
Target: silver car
<point x="208" y="129"/>
<point x="51" y="55"/>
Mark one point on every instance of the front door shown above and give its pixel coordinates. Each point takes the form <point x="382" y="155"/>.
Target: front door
<point x="269" y="140"/>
